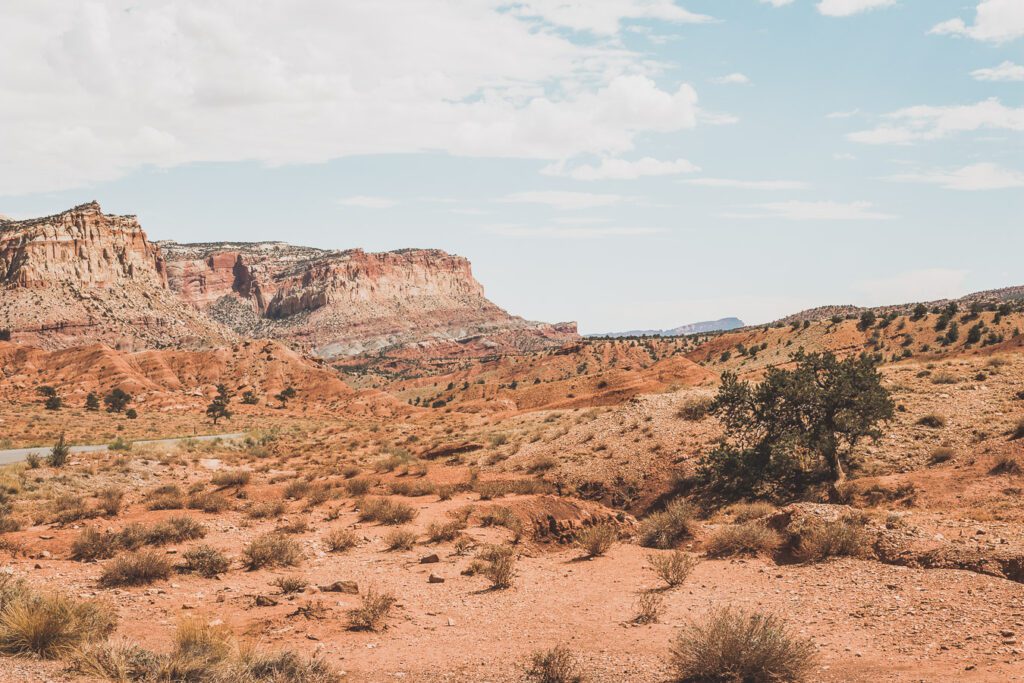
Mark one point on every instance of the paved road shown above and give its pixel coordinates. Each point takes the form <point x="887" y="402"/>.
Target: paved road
<point x="18" y="454"/>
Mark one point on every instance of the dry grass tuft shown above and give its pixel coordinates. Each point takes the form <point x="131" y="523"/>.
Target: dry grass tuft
<point x="749" y="538"/>
<point x="598" y="539"/>
<point x="372" y="612"/>
<point x="557" y="665"/>
<point x="673" y="568"/>
<point x="136" y="569"/>
<point x="667" y="528"/>
<point x="736" y="645"/>
<point x="272" y="550"/>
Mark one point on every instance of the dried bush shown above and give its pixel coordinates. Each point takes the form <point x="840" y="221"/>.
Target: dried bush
<point x="205" y="561"/>
<point x="648" y="608"/>
<point x="557" y="665"/>
<point x="385" y="511"/>
<point x="667" y="528"/>
<point x="672" y="568"/>
<point x="749" y="538"/>
<point x="372" y="612"/>
<point x="597" y="539"/>
<point x="339" y="539"/>
<point x="136" y="569"/>
<point x="745" y="512"/>
<point x="230" y="478"/>
<point x="400" y="539"/>
<point x="48" y="625"/>
<point x="272" y="550"/>
<point x="736" y="645"/>
<point x="844" y="537"/>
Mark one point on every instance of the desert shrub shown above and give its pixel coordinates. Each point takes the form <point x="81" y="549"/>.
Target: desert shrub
<point x="932" y="421"/>
<point x="360" y="486"/>
<point x="498" y="564"/>
<point x="132" y="536"/>
<point x="496" y="488"/>
<point x="439" y="532"/>
<point x="339" y="539"/>
<point x="400" y="539"/>
<point x="59" y="454"/>
<point x="542" y="464"/>
<point x="266" y="509"/>
<point x="110" y="500"/>
<point x="136" y="569"/>
<point x="372" y="612"/>
<point x="202" y="653"/>
<point x="557" y="665"/>
<point x="695" y="409"/>
<point x="298" y="525"/>
<point x="385" y="511"/>
<point x="597" y="539"/>
<point x="672" y="568"/>
<point x="745" y="512"/>
<point x="206" y="561"/>
<point x="412" y="488"/>
<point x="1006" y="463"/>
<point x="1018" y="430"/>
<point x="736" y="645"/>
<point x="272" y="550"/>
<point x="208" y="502"/>
<point x="845" y="537"/>
<point x="290" y="584"/>
<point x="175" y="530"/>
<point x="69" y="508"/>
<point x="296" y="489"/>
<point x="93" y="545"/>
<point x="749" y="538"/>
<point x="350" y="470"/>
<point x="167" y="497"/>
<point x="229" y="478"/>
<point x="280" y="667"/>
<point x="666" y="528"/>
<point x="944" y="378"/>
<point x="504" y="517"/>
<point x="48" y="625"/>
<point x="940" y="455"/>
<point x="648" y="608"/>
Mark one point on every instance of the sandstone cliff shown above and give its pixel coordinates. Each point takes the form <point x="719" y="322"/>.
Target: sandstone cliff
<point x="338" y="303"/>
<point x="85" y="276"/>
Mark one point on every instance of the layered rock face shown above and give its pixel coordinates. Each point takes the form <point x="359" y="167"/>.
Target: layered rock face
<point x="83" y="275"/>
<point x="337" y="303"/>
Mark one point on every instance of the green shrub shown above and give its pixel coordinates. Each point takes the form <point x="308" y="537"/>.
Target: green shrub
<point x="272" y="550"/>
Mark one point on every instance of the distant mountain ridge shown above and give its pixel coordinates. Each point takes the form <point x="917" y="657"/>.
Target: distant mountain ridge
<point x="722" y="325"/>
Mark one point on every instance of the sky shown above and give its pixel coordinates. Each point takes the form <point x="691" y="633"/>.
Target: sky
<point x="627" y="164"/>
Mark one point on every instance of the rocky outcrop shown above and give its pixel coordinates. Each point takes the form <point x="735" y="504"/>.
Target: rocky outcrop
<point x="85" y="276"/>
<point x="341" y="303"/>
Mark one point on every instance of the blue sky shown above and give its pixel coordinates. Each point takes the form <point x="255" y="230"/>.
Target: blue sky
<point x="623" y="163"/>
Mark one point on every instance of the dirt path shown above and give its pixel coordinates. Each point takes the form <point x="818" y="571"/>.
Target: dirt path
<point x="14" y="455"/>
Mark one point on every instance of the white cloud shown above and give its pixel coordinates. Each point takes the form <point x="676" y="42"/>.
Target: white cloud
<point x="846" y="8"/>
<point x="928" y="284"/>
<point x="748" y="184"/>
<point x="93" y="90"/>
<point x="983" y="176"/>
<point x="843" y="156"/>
<point x="604" y="17"/>
<point x="1007" y="71"/>
<point x="732" y="79"/>
<point x="931" y="123"/>
<point x="996" y="21"/>
<point x="842" y="114"/>
<point x="566" y="200"/>
<point x="815" y="211"/>
<point x="570" y="232"/>
<point x="367" y="202"/>
<point x="777" y="3"/>
<point x="621" y="169"/>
